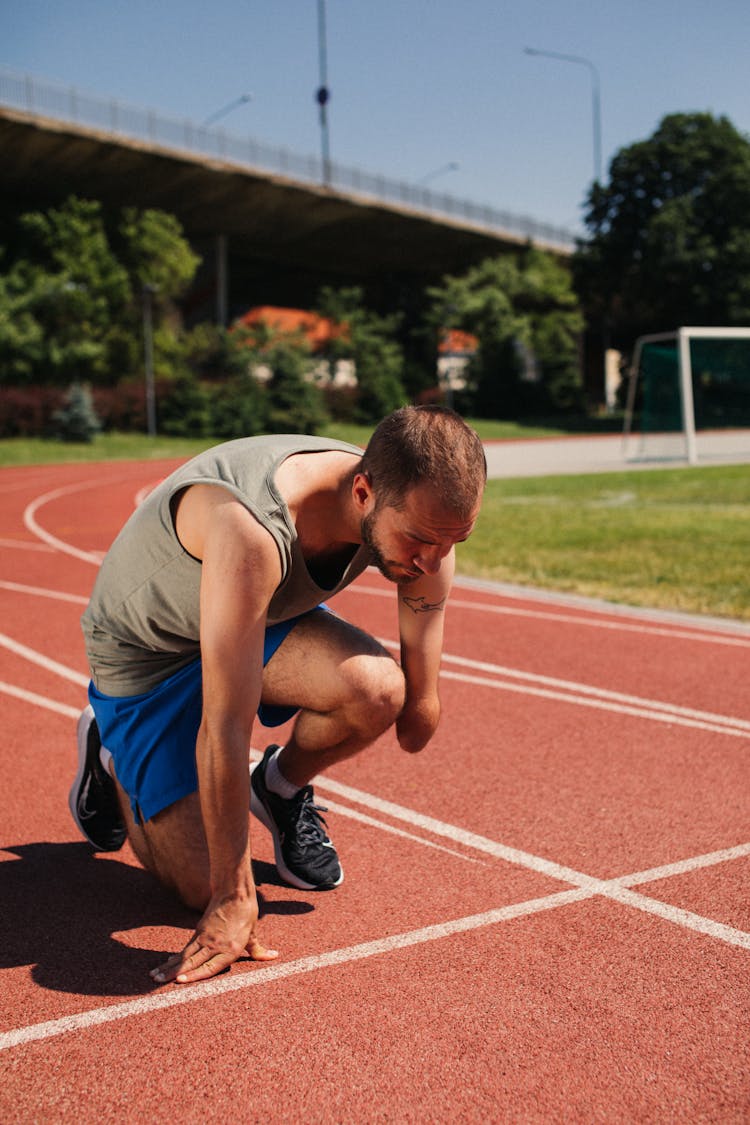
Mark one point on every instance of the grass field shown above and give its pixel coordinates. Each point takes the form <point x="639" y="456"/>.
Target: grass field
<point x="114" y="446"/>
<point x="675" y="539"/>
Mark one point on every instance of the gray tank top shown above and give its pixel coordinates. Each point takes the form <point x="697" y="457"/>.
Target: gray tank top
<point x="142" y="623"/>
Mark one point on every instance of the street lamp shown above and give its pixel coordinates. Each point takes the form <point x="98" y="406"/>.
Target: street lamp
<point x="595" y="99"/>
<point x="227" y="109"/>
<point x="452" y="167"/>
<point x="323" y="94"/>
<point x="148" y="357"/>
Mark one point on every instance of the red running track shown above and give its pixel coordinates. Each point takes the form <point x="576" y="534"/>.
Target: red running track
<point x="546" y="914"/>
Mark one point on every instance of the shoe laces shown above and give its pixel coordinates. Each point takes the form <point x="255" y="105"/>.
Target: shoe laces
<point x="310" y="824"/>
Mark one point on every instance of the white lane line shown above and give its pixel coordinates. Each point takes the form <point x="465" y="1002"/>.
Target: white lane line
<point x="30" y="521"/>
<point x="651" y="710"/>
<point x="652" y="714"/>
<point x="43" y="661"/>
<point x="39" y="700"/>
<point x="684" y="866"/>
<point x="147" y="489"/>
<point x="614" y="889"/>
<point x="363" y="818"/>
<point x="676" y="915"/>
<point x="53" y="541"/>
<point x="586" y="695"/>
<point x="588" y="887"/>
<point x="601" y="693"/>
<point x="25" y="545"/>
<point x="269" y="974"/>
<point x="41" y="592"/>
<point x="678" y="632"/>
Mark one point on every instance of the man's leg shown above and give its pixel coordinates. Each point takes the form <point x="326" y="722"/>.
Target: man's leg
<point x="350" y="691"/>
<point x="347" y="686"/>
<point x="172" y="846"/>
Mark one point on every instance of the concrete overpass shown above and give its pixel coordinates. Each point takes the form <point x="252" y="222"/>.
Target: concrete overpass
<point x="266" y="236"/>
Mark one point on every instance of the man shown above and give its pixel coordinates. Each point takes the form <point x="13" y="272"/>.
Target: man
<point x="207" y="611"/>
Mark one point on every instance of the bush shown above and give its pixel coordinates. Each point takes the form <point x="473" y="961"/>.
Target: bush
<point x="28" y="411"/>
<point x="123" y="407"/>
<point x="76" y="419"/>
<point x="184" y="411"/>
<point x="238" y="408"/>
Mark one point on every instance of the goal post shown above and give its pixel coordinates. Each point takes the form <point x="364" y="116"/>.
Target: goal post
<point x="670" y="370"/>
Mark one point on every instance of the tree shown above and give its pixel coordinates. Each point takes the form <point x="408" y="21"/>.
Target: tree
<point x="370" y="340"/>
<point x="526" y="319"/>
<point x="61" y="299"/>
<point x="295" y="404"/>
<point x="156" y="253"/>
<point x="71" y="295"/>
<point x="669" y="240"/>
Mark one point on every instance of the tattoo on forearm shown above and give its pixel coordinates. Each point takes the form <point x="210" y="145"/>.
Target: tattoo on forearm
<point x="420" y="605"/>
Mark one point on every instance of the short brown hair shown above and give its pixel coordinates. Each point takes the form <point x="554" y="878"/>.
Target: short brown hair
<point x="426" y="445"/>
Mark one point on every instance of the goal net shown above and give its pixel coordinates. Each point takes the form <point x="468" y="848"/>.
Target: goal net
<point x="689" y="395"/>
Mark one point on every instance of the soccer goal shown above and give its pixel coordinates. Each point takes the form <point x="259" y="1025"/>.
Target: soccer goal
<point x="684" y="386"/>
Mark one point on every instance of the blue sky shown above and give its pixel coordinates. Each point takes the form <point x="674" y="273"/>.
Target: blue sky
<point x="416" y="85"/>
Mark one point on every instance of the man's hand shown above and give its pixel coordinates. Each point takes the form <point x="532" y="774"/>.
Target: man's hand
<point x="225" y="932"/>
<point x="417" y="723"/>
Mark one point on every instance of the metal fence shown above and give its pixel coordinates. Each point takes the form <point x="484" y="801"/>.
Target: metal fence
<point x="119" y="119"/>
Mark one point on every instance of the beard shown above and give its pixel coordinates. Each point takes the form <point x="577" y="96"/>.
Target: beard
<point x="393" y="571"/>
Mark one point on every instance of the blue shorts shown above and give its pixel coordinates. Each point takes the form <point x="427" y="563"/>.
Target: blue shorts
<point x="152" y="737"/>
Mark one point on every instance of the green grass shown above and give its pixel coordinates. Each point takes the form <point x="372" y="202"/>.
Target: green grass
<point x="118" y="446"/>
<point x="676" y="539"/>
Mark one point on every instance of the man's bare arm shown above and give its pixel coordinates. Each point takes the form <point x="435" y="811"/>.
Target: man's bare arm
<point x="421" y="619"/>
<point x="241" y="569"/>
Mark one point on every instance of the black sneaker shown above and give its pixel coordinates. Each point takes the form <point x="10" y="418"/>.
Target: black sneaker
<point x="305" y="857"/>
<point x="93" y="797"/>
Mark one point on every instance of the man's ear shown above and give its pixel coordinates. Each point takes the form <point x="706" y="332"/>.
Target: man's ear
<point x="362" y="493"/>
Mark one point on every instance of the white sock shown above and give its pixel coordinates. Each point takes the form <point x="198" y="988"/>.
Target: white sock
<point x="105" y="758"/>
<point x="275" y="780"/>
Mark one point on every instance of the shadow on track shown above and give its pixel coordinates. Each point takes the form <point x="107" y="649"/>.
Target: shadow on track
<point x="63" y="906"/>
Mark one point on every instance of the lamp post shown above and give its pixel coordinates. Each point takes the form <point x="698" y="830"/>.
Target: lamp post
<point x="323" y="94"/>
<point x="595" y="99"/>
<point x="148" y="357"/>
<point x="227" y="109"/>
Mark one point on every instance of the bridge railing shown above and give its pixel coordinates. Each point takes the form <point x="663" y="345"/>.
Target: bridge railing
<point x="121" y="119"/>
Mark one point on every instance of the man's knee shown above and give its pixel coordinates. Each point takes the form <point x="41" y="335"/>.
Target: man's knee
<point x="376" y="690"/>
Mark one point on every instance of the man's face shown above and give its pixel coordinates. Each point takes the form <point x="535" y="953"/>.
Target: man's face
<point x="412" y="541"/>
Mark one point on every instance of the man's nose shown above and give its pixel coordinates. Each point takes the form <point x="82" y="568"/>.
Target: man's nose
<point x="428" y="559"/>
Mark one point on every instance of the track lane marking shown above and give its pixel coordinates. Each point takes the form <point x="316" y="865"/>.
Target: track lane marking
<point x="41" y="592"/>
<point x="653" y="714"/>
<point x="219" y="986"/>
<point x="26" y="545"/>
<point x="43" y="661"/>
<point x="576" y="693"/>
<point x="32" y="525"/>
<point x="601" y="693"/>
<point x="677" y="631"/>
<point x="39" y="700"/>
<point x="588" y="888"/>
<point x="383" y="826"/>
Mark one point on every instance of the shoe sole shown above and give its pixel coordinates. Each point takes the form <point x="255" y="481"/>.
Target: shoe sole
<point x="82" y="733"/>
<point x="259" y="811"/>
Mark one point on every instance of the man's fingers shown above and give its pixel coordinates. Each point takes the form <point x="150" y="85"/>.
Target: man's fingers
<point x="197" y="962"/>
<point x="258" y="952"/>
<point x="212" y="965"/>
